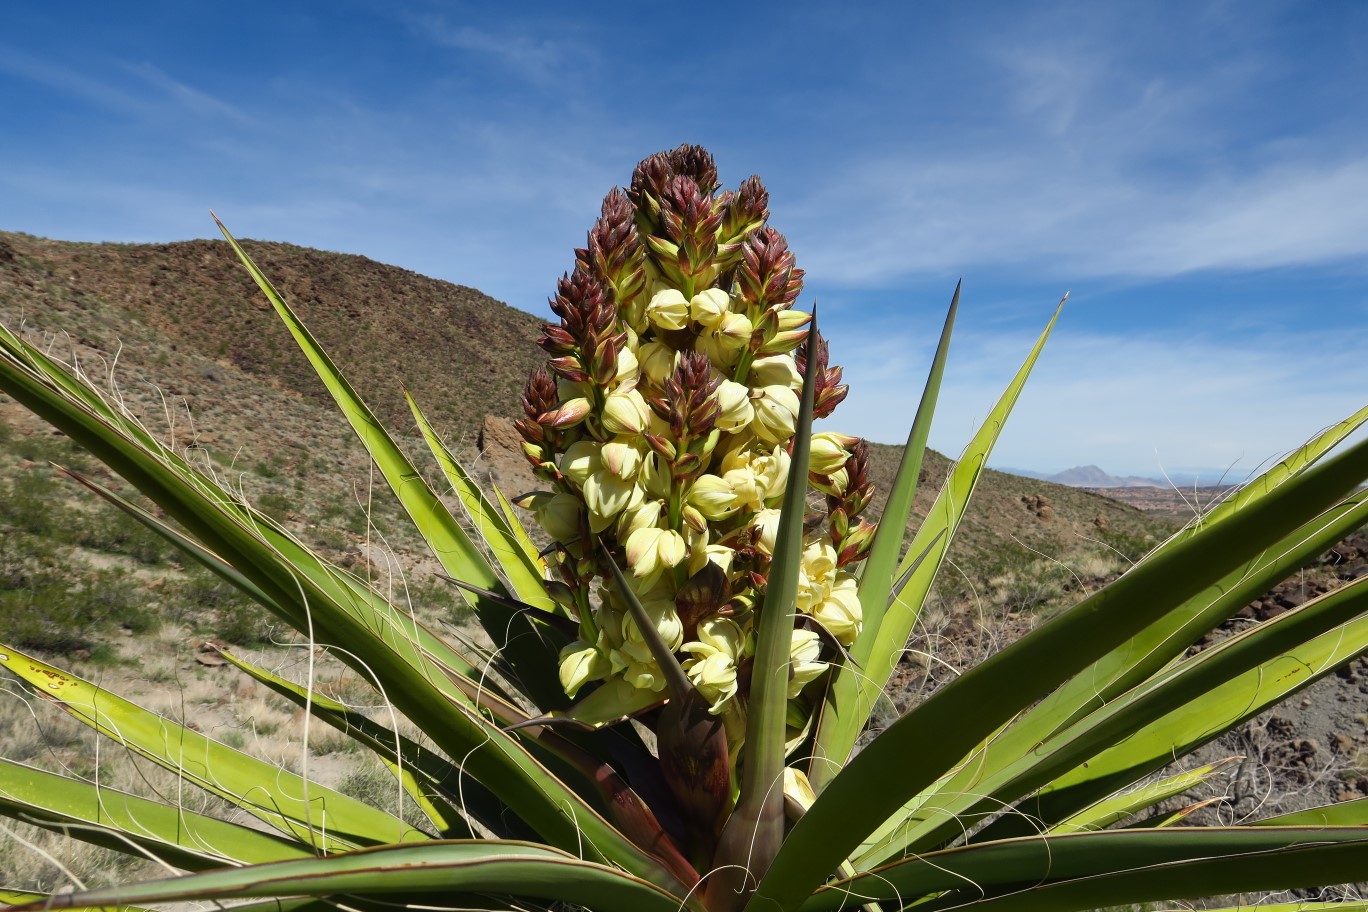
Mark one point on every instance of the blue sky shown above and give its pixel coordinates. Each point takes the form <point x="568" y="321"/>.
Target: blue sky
<point x="1196" y="174"/>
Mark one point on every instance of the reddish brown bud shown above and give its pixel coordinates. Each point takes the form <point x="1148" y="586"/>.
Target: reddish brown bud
<point x="767" y="276"/>
<point x="829" y="391"/>
<point x="539" y="396"/>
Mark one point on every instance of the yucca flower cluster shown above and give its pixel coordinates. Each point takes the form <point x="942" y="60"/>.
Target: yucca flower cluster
<point x="664" y="424"/>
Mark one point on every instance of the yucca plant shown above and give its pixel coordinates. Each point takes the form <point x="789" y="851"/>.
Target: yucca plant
<point x="712" y="576"/>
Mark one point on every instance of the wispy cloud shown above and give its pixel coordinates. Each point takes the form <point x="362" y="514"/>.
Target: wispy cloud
<point x="1131" y="404"/>
<point x="136" y="88"/>
<point x="536" y="58"/>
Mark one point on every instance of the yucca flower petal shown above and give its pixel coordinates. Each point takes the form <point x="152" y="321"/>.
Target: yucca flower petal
<point x="668" y="309"/>
<point x="580" y="663"/>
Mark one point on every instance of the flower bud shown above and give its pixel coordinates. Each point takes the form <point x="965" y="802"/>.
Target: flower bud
<point x="625" y="413"/>
<point x="712" y="496"/>
<point x="668" y="309"/>
<point x="581" y="460"/>
<point x="734" y="404"/>
<point x="708" y="307"/>
<point x="581" y="663"/>
<point x="568" y="415"/>
<point x="776" y="414"/>
<point x="829" y="452"/>
<point x="650" y="550"/>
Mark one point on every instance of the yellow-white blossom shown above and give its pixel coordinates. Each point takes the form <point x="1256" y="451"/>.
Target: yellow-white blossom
<point x="733" y="400"/>
<point x="607" y="495"/>
<point x="829" y="452"/>
<point x="724" y="343"/>
<point x="558" y="514"/>
<point x="712" y="668"/>
<point x="839" y="612"/>
<point x="621" y="458"/>
<point x="580" y="663"/>
<point x="625" y="413"/>
<point x="805" y="652"/>
<point x="658" y="361"/>
<point x="668" y="309"/>
<point x="776" y="413"/>
<point x="708" y="307"/>
<point x="775" y="370"/>
<point x="650" y="550"/>
<point x="713" y="497"/>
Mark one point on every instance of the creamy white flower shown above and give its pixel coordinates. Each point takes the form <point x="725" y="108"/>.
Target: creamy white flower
<point x="719" y="647"/>
<point x="720" y="555"/>
<point x="724" y="343"/>
<point x="805" y="650"/>
<point x="658" y="361"/>
<point x="776" y="413"/>
<point x="668" y="309"/>
<point x="712" y="496"/>
<point x="581" y="460"/>
<point x="619" y="457"/>
<point x="840" y="612"/>
<point x="816" y="574"/>
<point x="558" y="514"/>
<point x="708" y="307"/>
<point x="650" y="550"/>
<point x="775" y="370"/>
<point x="733" y="399"/>
<point x="606" y="496"/>
<point x="581" y="663"/>
<point x="625" y="413"/>
<point x="829" y="452"/>
<point x="767" y="521"/>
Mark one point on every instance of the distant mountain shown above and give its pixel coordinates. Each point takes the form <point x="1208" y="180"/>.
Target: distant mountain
<point x="1091" y="476"/>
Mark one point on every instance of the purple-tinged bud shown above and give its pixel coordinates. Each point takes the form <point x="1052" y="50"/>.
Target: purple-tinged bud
<point x="568" y="415"/>
<point x="615" y="252"/>
<point x="662" y="446"/>
<point x="696" y="163"/>
<point x="569" y="368"/>
<point x="745" y="212"/>
<point x="539" y="396"/>
<point x="829" y="391"/>
<point x="767" y="276"/>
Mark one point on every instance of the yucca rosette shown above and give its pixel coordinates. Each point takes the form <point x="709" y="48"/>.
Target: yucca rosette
<point x="664" y="424"/>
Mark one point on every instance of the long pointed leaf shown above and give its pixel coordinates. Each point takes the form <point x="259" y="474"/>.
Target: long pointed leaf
<point x="329" y="605"/>
<point x="524" y="572"/>
<point x="918" y="748"/>
<point x="1113" y="867"/>
<point x="532" y="651"/>
<point x="844" y="711"/>
<point x="446" y="869"/>
<point x="138" y="826"/>
<point x="311" y="813"/>
<point x="937" y="533"/>
<point x="1030" y="751"/>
